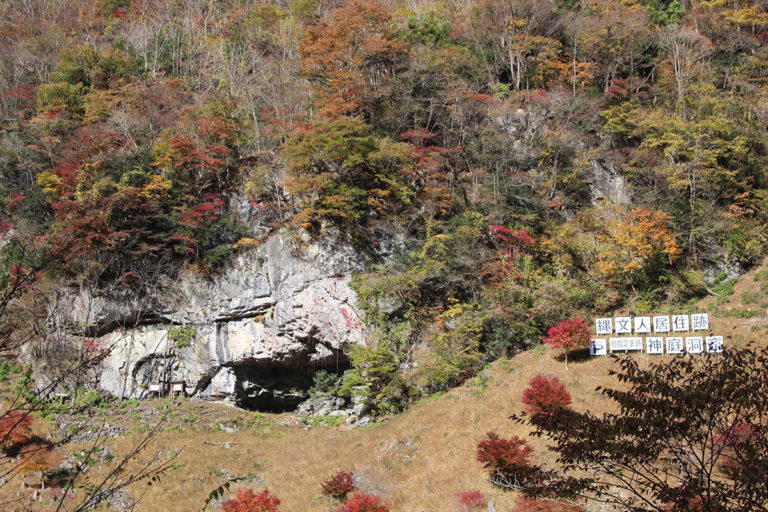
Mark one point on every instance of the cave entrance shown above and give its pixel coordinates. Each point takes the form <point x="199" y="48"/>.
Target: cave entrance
<point x="275" y="388"/>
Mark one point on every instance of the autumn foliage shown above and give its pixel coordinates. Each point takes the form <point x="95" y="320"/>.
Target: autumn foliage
<point x="681" y="417"/>
<point x="635" y="239"/>
<point x="352" y="57"/>
<point x="511" y="245"/>
<point x="507" y="461"/>
<point x="524" y="504"/>
<point x="363" y="502"/>
<point x="546" y="395"/>
<point x="249" y="501"/>
<point x="569" y="334"/>
<point x="471" y="501"/>
<point x="339" y="485"/>
<point x="15" y="430"/>
<point x="737" y="443"/>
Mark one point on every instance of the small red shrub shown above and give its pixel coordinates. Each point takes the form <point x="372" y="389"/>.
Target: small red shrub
<point x="735" y="444"/>
<point x="546" y="395"/>
<point x="362" y="502"/>
<point x="471" y="500"/>
<point x="339" y="485"/>
<point x="15" y="429"/>
<point x="249" y="501"/>
<point x="524" y="504"/>
<point x="508" y="461"/>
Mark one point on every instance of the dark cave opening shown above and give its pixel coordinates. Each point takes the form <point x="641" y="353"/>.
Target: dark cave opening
<point x="277" y="387"/>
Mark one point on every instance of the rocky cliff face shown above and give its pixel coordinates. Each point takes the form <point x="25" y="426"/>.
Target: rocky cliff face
<point x="255" y="333"/>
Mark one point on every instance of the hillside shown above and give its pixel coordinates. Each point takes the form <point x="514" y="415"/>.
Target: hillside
<point x="417" y="460"/>
<point x="484" y="170"/>
<point x="390" y="202"/>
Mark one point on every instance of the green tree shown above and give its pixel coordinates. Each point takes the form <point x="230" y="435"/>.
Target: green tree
<point x="341" y="171"/>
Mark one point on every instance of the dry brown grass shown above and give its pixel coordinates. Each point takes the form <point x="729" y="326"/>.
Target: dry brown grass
<point x="416" y="461"/>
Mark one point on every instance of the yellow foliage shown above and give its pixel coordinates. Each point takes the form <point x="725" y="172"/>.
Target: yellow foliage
<point x="632" y="238"/>
<point x="158" y="188"/>
<point x="246" y="243"/>
<point x="50" y="184"/>
<point x="748" y="16"/>
<point x="165" y="156"/>
<point x="99" y="104"/>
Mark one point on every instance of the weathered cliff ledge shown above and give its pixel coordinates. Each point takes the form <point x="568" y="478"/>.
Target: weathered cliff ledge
<point x="255" y="333"/>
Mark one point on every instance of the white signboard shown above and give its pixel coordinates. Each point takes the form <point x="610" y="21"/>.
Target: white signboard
<point x="597" y="347"/>
<point x="714" y="344"/>
<point x="674" y="345"/>
<point x="694" y="344"/>
<point x="642" y="324"/>
<point x="680" y="323"/>
<point x="661" y="324"/>
<point x="699" y="322"/>
<point x="654" y="345"/>
<point x="604" y="326"/>
<point x="623" y="325"/>
<point x="667" y="324"/>
<point x="626" y="344"/>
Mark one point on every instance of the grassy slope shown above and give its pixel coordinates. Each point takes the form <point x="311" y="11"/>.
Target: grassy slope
<point x="417" y="461"/>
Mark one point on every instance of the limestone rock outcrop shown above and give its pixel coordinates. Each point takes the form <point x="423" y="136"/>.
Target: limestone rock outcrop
<point x="254" y="333"/>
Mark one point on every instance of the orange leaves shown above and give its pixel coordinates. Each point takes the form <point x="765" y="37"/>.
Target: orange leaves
<point x="516" y="33"/>
<point x="632" y="238"/>
<point x="204" y="147"/>
<point x="351" y="57"/>
<point x="15" y="429"/>
<point x="18" y="440"/>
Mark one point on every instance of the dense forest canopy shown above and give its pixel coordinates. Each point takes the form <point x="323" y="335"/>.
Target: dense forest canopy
<point x="539" y="158"/>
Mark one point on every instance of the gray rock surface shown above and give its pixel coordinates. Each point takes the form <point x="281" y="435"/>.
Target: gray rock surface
<point x="262" y="326"/>
<point x="608" y="183"/>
